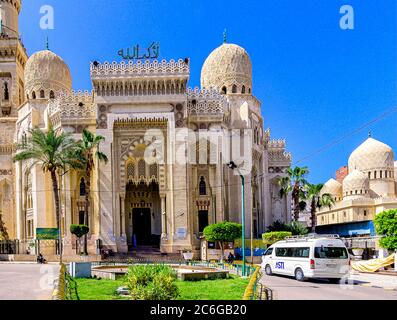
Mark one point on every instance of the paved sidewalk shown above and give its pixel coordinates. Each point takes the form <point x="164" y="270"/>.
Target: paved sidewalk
<point x="26" y="281"/>
<point x="375" y="280"/>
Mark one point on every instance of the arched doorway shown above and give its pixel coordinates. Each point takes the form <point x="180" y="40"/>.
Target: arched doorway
<point x="143" y="218"/>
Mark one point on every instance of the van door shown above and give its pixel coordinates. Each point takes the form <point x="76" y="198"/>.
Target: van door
<point x="330" y="259"/>
<point x="280" y="260"/>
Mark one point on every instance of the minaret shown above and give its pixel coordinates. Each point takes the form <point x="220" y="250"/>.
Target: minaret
<point x="13" y="58"/>
<point x="10" y="10"/>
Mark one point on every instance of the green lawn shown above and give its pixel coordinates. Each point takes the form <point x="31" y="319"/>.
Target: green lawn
<point x="224" y="289"/>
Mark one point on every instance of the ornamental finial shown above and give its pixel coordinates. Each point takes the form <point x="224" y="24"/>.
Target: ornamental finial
<point x="225" y="36"/>
<point x="370" y="134"/>
<point x="47" y="45"/>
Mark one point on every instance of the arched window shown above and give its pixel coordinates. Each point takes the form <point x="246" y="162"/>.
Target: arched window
<point x="224" y="90"/>
<point x="42" y="94"/>
<point x="83" y="191"/>
<point x="369" y="175"/>
<point x="6" y="93"/>
<point x="374" y="174"/>
<point x="130" y="171"/>
<point x="141" y="168"/>
<point x="153" y="170"/>
<point x="386" y="174"/>
<point x="34" y="95"/>
<point x="202" y="187"/>
<point x="52" y="95"/>
<point x="234" y="89"/>
<point x="243" y="90"/>
<point x="249" y="90"/>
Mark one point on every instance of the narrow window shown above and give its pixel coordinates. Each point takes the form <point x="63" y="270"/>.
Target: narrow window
<point x="202" y="187"/>
<point x="374" y="174"/>
<point x="34" y="95"/>
<point x="369" y="175"/>
<point x="224" y="90"/>
<point x="52" y="95"/>
<point x="6" y="93"/>
<point x="234" y="89"/>
<point x="243" y="89"/>
<point x="82" y="187"/>
<point x="380" y="174"/>
<point x="42" y="95"/>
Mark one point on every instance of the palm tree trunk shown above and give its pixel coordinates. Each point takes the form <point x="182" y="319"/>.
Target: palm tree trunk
<point x="87" y="203"/>
<point x="313" y="215"/>
<point x="295" y="197"/>
<point x="57" y="209"/>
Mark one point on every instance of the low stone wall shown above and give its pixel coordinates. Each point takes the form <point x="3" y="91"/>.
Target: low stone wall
<point x="50" y="258"/>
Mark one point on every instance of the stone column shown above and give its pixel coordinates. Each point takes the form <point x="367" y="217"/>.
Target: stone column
<point x="122" y="210"/>
<point x="163" y="218"/>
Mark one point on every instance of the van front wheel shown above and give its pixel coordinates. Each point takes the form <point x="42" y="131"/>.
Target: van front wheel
<point x="299" y="275"/>
<point x="268" y="270"/>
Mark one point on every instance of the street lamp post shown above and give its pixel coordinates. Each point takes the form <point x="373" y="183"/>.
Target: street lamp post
<point x="233" y="166"/>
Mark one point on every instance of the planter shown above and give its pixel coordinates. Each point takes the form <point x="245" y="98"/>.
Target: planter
<point x="188" y="255"/>
<point x="358" y="252"/>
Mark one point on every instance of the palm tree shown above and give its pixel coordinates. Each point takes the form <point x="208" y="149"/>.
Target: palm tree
<point x="53" y="151"/>
<point x="317" y="201"/>
<point x="294" y="183"/>
<point x="88" y="149"/>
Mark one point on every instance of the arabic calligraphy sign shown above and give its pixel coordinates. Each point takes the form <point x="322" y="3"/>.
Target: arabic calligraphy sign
<point x="152" y="52"/>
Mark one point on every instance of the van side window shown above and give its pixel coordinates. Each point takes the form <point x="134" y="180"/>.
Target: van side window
<point x="269" y="252"/>
<point x="293" y="252"/>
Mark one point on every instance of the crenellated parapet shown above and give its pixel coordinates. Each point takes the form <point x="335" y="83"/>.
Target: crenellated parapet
<point x="76" y="106"/>
<point x="139" y="69"/>
<point x="206" y="102"/>
<point x="149" y="78"/>
<point x="278" y="157"/>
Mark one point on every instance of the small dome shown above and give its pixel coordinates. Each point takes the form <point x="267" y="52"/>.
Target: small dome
<point x="46" y="71"/>
<point x="332" y="187"/>
<point x="370" y="155"/>
<point x="355" y="183"/>
<point x="228" y="67"/>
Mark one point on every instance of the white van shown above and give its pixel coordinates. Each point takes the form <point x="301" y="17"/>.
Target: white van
<point x="312" y="256"/>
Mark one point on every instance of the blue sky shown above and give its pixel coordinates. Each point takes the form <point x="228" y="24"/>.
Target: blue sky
<point x="316" y="81"/>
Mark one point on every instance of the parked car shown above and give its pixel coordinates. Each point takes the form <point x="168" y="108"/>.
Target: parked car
<point x="313" y="256"/>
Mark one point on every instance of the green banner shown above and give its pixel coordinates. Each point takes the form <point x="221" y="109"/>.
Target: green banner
<point x="47" y="233"/>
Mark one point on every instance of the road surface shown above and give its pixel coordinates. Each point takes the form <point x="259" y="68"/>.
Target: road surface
<point x="359" y="287"/>
<point x="27" y="281"/>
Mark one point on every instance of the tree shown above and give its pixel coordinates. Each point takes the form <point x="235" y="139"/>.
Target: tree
<point x="79" y="230"/>
<point x="54" y="152"/>
<point x="88" y="148"/>
<point x="386" y="226"/>
<point x="222" y="232"/>
<point x="294" y="183"/>
<point x="317" y="201"/>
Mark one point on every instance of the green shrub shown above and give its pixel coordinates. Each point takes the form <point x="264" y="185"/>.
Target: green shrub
<point x="257" y="243"/>
<point x="152" y="282"/>
<point x="295" y="227"/>
<point x="79" y="230"/>
<point x="273" y="237"/>
<point x="386" y="225"/>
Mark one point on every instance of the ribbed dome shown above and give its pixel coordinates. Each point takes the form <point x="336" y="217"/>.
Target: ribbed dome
<point x="227" y="66"/>
<point x="46" y="71"/>
<point x="372" y="154"/>
<point x="332" y="187"/>
<point x="355" y="181"/>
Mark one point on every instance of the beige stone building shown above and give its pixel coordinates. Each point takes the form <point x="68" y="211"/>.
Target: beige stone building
<point x="368" y="189"/>
<point x="168" y="147"/>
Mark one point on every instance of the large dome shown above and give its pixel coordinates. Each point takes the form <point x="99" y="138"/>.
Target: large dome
<point x="356" y="183"/>
<point x="372" y="155"/>
<point x="46" y="71"/>
<point x="229" y="69"/>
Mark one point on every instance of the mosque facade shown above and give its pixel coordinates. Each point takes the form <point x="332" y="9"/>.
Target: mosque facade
<point x="168" y="147"/>
<point x="368" y="189"/>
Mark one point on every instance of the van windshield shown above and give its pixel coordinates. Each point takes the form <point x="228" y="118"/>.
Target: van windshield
<point x="330" y="253"/>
